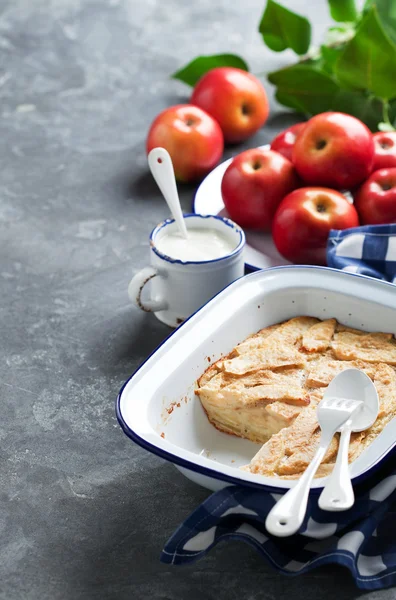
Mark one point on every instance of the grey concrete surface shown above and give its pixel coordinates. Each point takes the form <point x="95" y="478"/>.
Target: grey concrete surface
<point x="83" y="511"/>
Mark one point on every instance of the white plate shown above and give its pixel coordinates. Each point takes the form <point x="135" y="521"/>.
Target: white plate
<point x="260" y="252"/>
<point x="157" y="407"/>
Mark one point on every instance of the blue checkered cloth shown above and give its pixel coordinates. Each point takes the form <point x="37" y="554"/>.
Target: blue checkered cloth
<point x="363" y="539"/>
<point x="368" y="250"/>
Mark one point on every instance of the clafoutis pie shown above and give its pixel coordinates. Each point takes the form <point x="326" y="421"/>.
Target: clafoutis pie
<point x="267" y="390"/>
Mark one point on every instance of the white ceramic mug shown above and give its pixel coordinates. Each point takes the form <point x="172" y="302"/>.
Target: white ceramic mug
<point x="179" y="288"/>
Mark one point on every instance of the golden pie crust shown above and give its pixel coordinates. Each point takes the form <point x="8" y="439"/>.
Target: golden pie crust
<point x="268" y="387"/>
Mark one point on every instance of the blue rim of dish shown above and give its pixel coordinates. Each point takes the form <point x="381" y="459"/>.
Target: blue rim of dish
<point x="212" y="473"/>
<point x="238" y="248"/>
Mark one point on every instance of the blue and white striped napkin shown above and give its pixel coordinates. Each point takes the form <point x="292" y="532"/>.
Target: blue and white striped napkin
<point x="363" y="539"/>
<point x="368" y="250"/>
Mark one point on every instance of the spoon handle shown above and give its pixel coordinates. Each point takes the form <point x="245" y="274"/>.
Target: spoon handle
<point x="287" y="516"/>
<point x="161" y="167"/>
<point x="338" y="491"/>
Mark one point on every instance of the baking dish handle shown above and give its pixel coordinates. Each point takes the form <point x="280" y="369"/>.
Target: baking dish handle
<point x="135" y="290"/>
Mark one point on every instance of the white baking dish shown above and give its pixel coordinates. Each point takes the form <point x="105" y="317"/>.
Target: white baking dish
<point x="157" y="407"/>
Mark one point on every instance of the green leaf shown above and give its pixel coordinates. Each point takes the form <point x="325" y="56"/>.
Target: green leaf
<point x="290" y="101"/>
<point x="304" y="88"/>
<point x="360" y="105"/>
<point x="368" y="60"/>
<point x="386" y="10"/>
<point x="281" y="28"/>
<point x="192" y="72"/>
<point x="329" y="57"/>
<point x="310" y="90"/>
<point x="343" y="10"/>
<point x="385" y="127"/>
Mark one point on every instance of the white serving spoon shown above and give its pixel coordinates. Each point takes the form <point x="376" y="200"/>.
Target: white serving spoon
<point x="287" y="516"/>
<point x="338" y="492"/>
<point x="161" y="168"/>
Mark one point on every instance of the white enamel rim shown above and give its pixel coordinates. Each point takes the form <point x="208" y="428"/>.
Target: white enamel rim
<point x="150" y="376"/>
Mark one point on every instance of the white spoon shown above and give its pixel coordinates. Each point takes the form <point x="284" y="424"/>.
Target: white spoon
<point x="351" y="383"/>
<point x="161" y="168"/>
<point x="287" y="516"/>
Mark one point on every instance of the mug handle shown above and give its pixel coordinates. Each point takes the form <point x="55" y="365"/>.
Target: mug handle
<point x="135" y="290"/>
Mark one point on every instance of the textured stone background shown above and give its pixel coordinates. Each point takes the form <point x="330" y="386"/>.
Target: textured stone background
<point x="84" y="512"/>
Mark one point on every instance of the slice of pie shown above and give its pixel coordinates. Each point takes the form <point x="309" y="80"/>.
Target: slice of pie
<point x="257" y="389"/>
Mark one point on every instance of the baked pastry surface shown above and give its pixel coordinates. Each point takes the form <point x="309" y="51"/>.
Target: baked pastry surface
<point x="268" y="387"/>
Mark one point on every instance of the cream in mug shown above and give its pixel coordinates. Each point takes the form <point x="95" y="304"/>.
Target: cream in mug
<point x="201" y="245"/>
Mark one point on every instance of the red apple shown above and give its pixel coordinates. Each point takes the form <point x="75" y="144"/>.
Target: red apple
<point x="384" y="150"/>
<point x="334" y="150"/>
<point x="254" y="184"/>
<point x="193" y="139"/>
<point x="375" y="201"/>
<point x="303" y="220"/>
<point x="284" y="141"/>
<point x="235" y="98"/>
